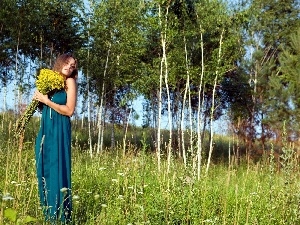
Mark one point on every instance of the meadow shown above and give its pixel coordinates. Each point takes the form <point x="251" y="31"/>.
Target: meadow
<point x="116" y="188"/>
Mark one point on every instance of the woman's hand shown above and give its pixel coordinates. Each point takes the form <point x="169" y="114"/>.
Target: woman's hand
<point x="67" y="109"/>
<point x="40" y="97"/>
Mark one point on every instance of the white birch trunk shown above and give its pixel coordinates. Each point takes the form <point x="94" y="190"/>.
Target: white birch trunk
<point x="125" y="135"/>
<point x="158" y="150"/>
<point x="89" y="118"/>
<point x="182" y="124"/>
<point x="213" y="104"/>
<point x="199" y="112"/>
<point x="82" y="120"/>
<point x="113" y="139"/>
<point x="191" y="148"/>
<point x="88" y="97"/>
<point x="188" y="91"/>
<point x="164" y="62"/>
<point x="179" y="132"/>
<point x="100" y="115"/>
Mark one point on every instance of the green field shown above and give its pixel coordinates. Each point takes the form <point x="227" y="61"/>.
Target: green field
<point x="113" y="188"/>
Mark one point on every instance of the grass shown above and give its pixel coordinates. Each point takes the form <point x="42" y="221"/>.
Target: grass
<point x="111" y="188"/>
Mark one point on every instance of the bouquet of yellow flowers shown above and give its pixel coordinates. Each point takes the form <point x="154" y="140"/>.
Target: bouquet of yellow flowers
<point x="47" y="81"/>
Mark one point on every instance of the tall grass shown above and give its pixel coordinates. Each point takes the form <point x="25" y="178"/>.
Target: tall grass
<point x="111" y="188"/>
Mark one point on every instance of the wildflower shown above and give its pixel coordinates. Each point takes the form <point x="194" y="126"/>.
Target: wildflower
<point x="96" y="196"/>
<point x="121" y="174"/>
<point x="104" y="205"/>
<point x="64" y="190"/>
<point x="75" y="197"/>
<point x="114" y="180"/>
<point x="102" y="168"/>
<point x="7" y="197"/>
<point x="47" y="81"/>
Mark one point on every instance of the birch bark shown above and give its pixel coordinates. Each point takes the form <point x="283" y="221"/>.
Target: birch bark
<point x="213" y="103"/>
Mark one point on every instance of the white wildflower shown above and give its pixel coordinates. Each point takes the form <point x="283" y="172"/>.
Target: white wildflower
<point x="96" y="196"/>
<point x="75" y="197"/>
<point x="7" y="197"/>
<point x="64" y="190"/>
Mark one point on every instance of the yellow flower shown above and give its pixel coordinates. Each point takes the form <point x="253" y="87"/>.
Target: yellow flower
<point x="47" y="81"/>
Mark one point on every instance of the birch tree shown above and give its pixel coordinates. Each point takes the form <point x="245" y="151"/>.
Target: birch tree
<point x="116" y="32"/>
<point x="213" y="100"/>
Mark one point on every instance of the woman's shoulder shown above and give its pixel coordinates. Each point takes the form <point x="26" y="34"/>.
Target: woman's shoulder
<point x="70" y="84"/>
<point x="70" y="81"/>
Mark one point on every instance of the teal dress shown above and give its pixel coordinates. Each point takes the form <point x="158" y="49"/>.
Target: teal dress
<point x="53" y="162"/>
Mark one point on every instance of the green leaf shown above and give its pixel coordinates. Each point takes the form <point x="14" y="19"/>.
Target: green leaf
<point x="29" y="219"/>
<point x="10" y="214"/>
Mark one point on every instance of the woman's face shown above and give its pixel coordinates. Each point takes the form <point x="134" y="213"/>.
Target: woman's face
<point x="68" y="68"/>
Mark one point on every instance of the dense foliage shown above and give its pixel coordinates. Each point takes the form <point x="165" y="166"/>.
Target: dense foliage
<point x="194" y="62"/>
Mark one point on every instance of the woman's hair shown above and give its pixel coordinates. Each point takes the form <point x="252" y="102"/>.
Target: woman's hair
<point x="63" y="59"/>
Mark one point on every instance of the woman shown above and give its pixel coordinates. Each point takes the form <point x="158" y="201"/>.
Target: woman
<point x="53" y="144"/>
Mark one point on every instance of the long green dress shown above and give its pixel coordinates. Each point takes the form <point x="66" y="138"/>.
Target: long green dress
<point x="53" y="162"/>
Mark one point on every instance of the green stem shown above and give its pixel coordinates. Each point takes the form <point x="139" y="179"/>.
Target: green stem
<point x="24" y="119"/>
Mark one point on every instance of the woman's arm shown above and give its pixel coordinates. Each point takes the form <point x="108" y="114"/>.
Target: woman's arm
<point x="67" y="109"/>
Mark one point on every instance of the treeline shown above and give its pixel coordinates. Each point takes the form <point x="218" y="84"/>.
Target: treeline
<point x="192" y="61"/>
